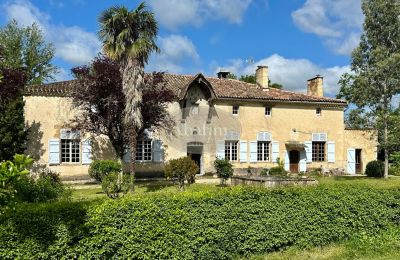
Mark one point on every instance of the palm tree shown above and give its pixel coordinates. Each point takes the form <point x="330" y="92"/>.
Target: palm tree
<point x="129" y="38"/>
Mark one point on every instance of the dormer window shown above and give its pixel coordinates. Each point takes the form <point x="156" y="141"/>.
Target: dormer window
<point x="235" y="110"/>
<point x="318" y="111"/>
<point x="268" y="111"/>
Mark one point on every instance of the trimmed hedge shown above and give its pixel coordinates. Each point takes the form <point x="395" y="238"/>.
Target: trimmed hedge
<point x="204" y="225"/>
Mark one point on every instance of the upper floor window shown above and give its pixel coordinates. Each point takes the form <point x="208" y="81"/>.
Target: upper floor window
<point x="318" y="111"/>
<point x="143" y="151"/>
<point x="231" y="150"/>
<point x="235" y="110"/>
<point x="70" y="146"/>
<point x="268" y="111"/>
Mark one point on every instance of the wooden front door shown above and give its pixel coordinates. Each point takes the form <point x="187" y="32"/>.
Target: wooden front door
<point x="294" y="159"/>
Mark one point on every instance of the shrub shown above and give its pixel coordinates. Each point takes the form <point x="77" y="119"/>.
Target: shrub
<point x="10" y="172"/>
<point x="394" y="170"/>
<point x="224" y="169"/>
<point x="114" y="183"/>
<point x="375" y="169"/>
<point x="229" y="223"/>
<point x="395" y="159"/>
<point x="264" y="172"/>
<point x="278" y="170"/>
<point x="100" y="168"/>
<point x="183" y="169"/>
<point x="47" y="186"/>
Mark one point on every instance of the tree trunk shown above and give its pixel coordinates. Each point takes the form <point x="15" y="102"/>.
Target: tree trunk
<point x="132" y="145"/>
<point x="385" y="134"/>
<point x="385" y="138"/>
<point x="132" y="86"/>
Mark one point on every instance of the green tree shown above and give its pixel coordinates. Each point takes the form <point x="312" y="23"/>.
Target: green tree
<point x="25" y="48"/>
<point x="375" y="77"/>
<point x="129" y="38"/>
<point x="12" y="121"/>
<point x="248" y="78"/>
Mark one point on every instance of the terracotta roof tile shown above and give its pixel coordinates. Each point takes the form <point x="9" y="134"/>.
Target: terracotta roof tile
<point x="223" y="88"/>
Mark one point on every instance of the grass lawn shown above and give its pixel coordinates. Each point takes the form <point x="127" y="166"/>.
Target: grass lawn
<point x="94" y="192"/>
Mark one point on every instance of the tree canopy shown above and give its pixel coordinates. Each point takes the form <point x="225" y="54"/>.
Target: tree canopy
<point x="252" y="79"/>
<point x="26" y="48"/>
<point x="102" y="102"/>
<point x="375" y="76"/>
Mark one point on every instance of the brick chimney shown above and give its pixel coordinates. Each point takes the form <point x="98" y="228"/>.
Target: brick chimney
<point x="315" y="86"/>
<point x="262" y="77"/>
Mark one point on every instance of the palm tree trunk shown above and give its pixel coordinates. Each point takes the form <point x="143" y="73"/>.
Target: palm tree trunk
<point x="132" y="86"/>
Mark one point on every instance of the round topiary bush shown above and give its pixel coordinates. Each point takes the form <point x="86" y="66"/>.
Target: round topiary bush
<point x="183" y="169"/>
<point x="375" y="169"/>
<point x="100" y="168"/>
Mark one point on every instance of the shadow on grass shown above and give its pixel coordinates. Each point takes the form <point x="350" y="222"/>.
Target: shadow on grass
<point x="155" y="186"/>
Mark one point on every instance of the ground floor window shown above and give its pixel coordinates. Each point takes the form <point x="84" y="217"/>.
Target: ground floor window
<point x="70" y="151"/>
<point x="143" y="151"/>
<point x="263" y="154"/>
<point x="318" y="151"/>
<point x="231" y="148"/>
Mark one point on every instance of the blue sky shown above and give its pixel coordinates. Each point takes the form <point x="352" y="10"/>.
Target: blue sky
<point x="297" y="39"/>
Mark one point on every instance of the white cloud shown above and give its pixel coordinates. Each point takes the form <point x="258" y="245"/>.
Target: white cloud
<point x="337" y="22"/>
<point x="175" y="13"/>
<point x="73" y="44"/>
<point x="292" y="73"/>
<point x="175" y="50"/>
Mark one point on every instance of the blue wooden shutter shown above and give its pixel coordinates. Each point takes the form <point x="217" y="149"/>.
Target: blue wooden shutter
<point x="87" y="151"/>
<point x="54" y="151"/>
<point x="303" y="161"/>
<point x="275" y="151"/>
<point x="158" y="151"/>
<point x="127" y="155"/>
<point x="308" y="148"/>
<point x="220" y="149"/>
<point x="287" y="161"/>
<point x="243" y="151"/>
<point x="351" y="161"/>
<point x="331" y="151"/>
<point x="253" y="151"/>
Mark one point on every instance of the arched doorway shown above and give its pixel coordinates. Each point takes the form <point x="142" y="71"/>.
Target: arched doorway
<point x="294" y="159"/>
<point x="195" y="152"/>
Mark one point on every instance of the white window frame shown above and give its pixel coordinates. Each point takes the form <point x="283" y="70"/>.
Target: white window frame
<point x="265" y="151"/>
<point x="230" y="146"/>
<point x="235" y="110"/>
<point x="268" y="111"/>
<point x="142" y="151"/>
<point x="68" y="151"/>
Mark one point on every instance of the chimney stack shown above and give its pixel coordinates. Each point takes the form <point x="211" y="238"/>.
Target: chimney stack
<point x="262" y="77"/>
<point x="223" y="74"/>
<point x="315" y="86"/>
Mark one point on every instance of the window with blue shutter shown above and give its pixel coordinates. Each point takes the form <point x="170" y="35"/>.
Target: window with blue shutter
<point x="308" y="148"/>
<point x="253" y="151"/>
<point x="220" y="149"/>
<point x="275" y="151"/>
<point x="243" y="151"/>
<point x="54" y="151"/>
<point x="158" y="151"/>
<point x="331" y="151"/>
<point x="87" y="151"/>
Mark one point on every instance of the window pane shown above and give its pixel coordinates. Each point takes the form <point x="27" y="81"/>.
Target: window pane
<point x="65" y="150"/>
<point x="318" y="151"/>
<point x="263" y="151"/>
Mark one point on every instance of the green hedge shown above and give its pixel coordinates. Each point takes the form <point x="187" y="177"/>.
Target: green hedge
<point x="204" y="225"/>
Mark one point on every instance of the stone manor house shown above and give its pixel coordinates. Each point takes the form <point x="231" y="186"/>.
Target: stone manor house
<point x="252" y="125"/>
